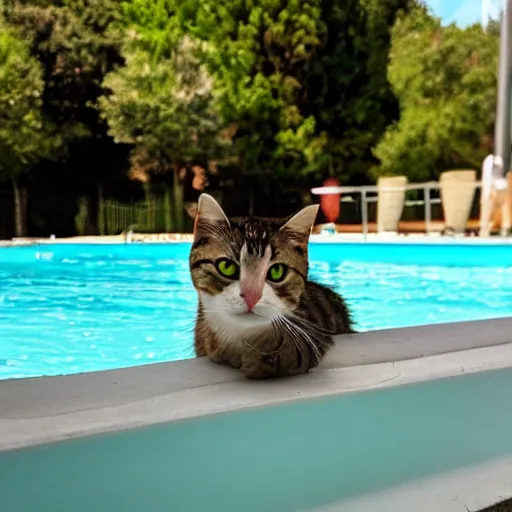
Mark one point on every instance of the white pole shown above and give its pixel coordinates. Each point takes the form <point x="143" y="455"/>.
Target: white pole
<point x="502" y="140"/>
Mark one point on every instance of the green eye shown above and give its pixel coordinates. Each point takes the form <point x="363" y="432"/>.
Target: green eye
<point x="227" y="268"/>
<point x="277" y="272"/>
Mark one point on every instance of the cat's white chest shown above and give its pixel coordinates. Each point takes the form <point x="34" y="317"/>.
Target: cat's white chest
<point x="235" y="329"/>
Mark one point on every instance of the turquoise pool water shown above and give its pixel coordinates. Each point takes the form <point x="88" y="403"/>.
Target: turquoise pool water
<point x="75" y="308"/>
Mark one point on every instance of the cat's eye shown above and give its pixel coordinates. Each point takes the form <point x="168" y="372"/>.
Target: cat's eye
<point x="277" y="272"/>
<point x="227" y="268"/>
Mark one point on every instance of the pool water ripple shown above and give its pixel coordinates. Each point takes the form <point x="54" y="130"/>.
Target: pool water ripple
<point x="81" y="313"/>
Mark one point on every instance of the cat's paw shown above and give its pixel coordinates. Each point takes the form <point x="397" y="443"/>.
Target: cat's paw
<point x="216" y="357"/>
<point x="259" y="374"/>
<point x="258" y="370"/>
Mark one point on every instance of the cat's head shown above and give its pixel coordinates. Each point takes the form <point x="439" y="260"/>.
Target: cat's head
<point x="250" y="268"/>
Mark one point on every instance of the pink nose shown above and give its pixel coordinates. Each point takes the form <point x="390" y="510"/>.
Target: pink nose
<point x="251" y="299"/>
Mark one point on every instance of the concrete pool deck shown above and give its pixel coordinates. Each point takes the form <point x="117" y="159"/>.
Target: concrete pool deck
<point x="158" y="238"/>
<point x="387" y="418"/>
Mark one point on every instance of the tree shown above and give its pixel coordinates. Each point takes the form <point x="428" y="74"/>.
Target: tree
<point x="76" y="46"/>
<point x="256" y="52"/>
<point x="73" y="41"/>
<point x="26" y="136"/>
<point x="345" y="83"/>
<point x="305" y="83"/>
<point x="161" y="101"/>
<point x="445" y="80"/>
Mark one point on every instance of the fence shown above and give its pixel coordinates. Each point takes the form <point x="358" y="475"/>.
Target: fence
<point x="152" y="215"/>
<point x="67" y="216"/>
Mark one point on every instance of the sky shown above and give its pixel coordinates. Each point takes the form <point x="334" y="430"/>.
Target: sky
<point x="464" y="12"/>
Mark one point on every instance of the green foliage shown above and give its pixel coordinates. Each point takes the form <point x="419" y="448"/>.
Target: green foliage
<point x="73" y="41"/>
<point x="25" y="135"/>
<point x="304" y="82"/>
<point x="163" y="108"/>
<point x="445" y="79"/>
<point x="346" y="87"/>
<point x="153" y="25"/>
<point x="161" y="100"/>
<point x="302" y="85"/>
<point x="296" y="90"/>
<point x="256" y="52"/>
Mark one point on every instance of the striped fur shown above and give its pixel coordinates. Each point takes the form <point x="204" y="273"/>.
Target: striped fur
<point x="292" y="322"/>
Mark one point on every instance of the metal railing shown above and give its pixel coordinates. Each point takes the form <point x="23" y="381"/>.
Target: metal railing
<point x="426" y="187"/>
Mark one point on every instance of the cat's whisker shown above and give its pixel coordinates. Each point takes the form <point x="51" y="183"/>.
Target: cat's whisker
<point x="310" y="325"/>
<point x="297" y="342"/>
<point x="218" y="310"/>
<point x="267" y="312"/>
<point x="307" y="338"/>
<point x="277" y="330"/>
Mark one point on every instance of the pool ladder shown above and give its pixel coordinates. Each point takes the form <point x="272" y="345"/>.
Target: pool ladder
<point x="128" y="234"/>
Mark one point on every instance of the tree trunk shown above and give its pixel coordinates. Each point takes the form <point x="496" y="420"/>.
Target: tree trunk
<point x="179" y="210"/>
<point x="19" y="217"/>
<point x="101" y="211"/>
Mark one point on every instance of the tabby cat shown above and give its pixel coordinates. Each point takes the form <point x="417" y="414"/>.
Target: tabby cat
<point x="257" y="310"/>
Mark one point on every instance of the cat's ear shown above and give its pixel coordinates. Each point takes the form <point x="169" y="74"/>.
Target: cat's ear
<point x="303" y="221"/>
<point x="209" y="210"/>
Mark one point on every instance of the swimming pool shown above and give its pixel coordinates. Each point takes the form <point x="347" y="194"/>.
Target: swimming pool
<point x="74" y="308"/>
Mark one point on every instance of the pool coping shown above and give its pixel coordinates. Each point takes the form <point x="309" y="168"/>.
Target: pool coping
<point x="177" y="238"/>
<point x="35" y="411"/>
<point x="471" y="488"/>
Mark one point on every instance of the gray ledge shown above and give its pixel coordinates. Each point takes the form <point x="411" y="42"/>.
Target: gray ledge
<point x="48" y="409"/>
<point x="386" y="408"/>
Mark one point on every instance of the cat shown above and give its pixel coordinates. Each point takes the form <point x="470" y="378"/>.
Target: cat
<point x="258" y="311"/>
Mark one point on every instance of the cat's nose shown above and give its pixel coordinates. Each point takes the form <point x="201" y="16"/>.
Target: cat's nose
<point x="251" y="299"/>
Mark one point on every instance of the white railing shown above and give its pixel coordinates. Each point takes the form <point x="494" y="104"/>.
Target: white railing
<point x="428" y="201"/>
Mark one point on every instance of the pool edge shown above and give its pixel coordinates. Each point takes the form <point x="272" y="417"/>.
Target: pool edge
<point x="51" y="409"/>
<point x="417" y="396"/>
